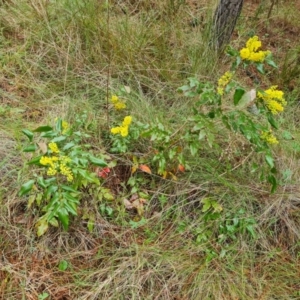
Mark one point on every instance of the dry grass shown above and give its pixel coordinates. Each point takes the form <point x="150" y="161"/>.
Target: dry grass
<point x="55" y="57"/>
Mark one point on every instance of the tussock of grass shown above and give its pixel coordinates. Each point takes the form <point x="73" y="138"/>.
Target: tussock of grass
<point x="56" y="57"/>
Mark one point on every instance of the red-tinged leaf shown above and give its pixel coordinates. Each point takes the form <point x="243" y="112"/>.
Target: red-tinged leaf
<point x="103" y="173"/>
<point x="181" y="168"/>
<point x="145" y="169"/>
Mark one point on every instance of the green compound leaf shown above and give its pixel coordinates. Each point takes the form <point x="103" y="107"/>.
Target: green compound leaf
<point x="41" y="182"/>
<point x="71" y="208"/>
<point x="70" y="199"/>
<point x="270" y="62"/>
<point x="68" y="146"/>
<point x="273" y="181"/>
<point x="206" y="204"/>
<point x="272" y="121"/>
<point x="69" y="189"/>
<point x="269" y="160"/>
<point x="42" y="226"/>
<point x="30" y="148"/>
<point x="260" y="68"/>
<point x="88" y="176"/>
<point x="59" y="139"/>
<point x="43" y="129"/>
<point x="26" y="187"/>
<point x="28" y="133"/>
<point x="63" y="216"/>
<point x="53" y="222"/>
<point x="97" y="161"/>
<point x="63" y="265"/>
<point x="35" y="161"/>
<point x="58" y="124"/>
<point x="91" y="223"/>
<point x="238" y="94"/>
<point x="49" y="134"/>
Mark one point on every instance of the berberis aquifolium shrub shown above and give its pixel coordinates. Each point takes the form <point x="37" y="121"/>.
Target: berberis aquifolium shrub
<point x="253" y="111"/>
<point x="251" y="114"/>
<point x="64" y="165"/>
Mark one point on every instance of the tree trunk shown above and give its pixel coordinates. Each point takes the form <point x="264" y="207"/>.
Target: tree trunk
<point x="225" y="19"/>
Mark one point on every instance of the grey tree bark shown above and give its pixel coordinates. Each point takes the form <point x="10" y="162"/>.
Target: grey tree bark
<point x="225" y="19"/>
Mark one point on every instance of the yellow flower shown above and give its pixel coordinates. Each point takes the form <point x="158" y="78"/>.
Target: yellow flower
<point x="223" y="81"/>
<point x="51" y="171"/>
<point x="273" y="93"/>
<point x="114" y="99"/>
<point x="269" y="137"/>
<point x="245" y="53"/>
<point x="64" y="170"/>
<point x="251" y="52"/>
<point x="46" y="161"/>
<point x="274" y="106"/>
<point x="253" y="44"/>
<point x="119" y="105"/>
<point x="53" y="147"/>
<point x="127" y="121"/>
<point x="65" y="126"/>
<point x="258" y="56"/>
<point x="65" y="159"/>
<point x="124" y="131"/>
<point x="115" y="130"/>
<point x="220" y="91"/>
<point x="273" y="99"/>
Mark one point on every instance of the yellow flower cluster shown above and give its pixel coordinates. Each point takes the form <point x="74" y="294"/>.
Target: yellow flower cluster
<point x="223" y="81"/>
<point x="57" y="164"/>
<point x="52" y="162"/>
<point x="123" y="130"/>
<point x="251" y="53"/>
<point x="45" y="160"/>
<point x="269" y="137"/>
<point x="64" y="170"/>
<point x="273" y="99"/>
<point x="118" y="104"/>
<point x="53" y="147"/>
<point x="65" y="126"/>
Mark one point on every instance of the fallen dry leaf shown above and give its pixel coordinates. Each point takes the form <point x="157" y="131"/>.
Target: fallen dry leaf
<point x="127" y="89"/>
<point x="139" y="206"/>
<point x="134" y="197"/>
<point x="145" y="169"/>
<point x="127" y="204"/>
<point x="43" y="147"/>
